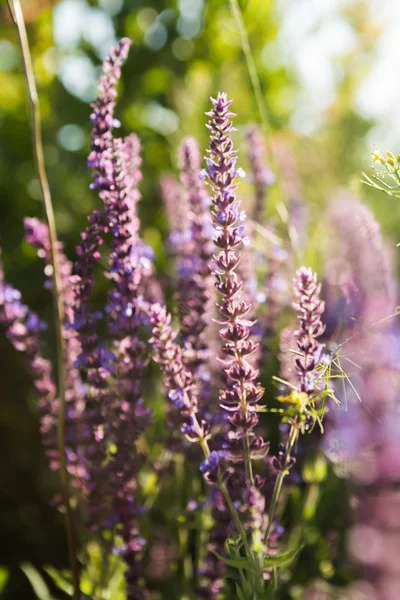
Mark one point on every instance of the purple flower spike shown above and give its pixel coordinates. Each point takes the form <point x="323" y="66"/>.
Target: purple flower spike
<point x="177" y="209"/>
<point x="194" y="274"/>
<point x="309" y="308"/>
<point x="100" y="159"/>
<point x="102" y="116"/>
<point x="37" y="234"/>
<point x="92" y="238"/>
<point x="242" y="393"/>
<point x="178" y="379"/>
<point x="261" y="176"/>
<point x="124" y="413"/>
<point x="23" y="329"/>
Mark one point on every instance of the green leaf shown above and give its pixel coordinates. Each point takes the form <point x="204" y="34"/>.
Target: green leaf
<point x="276" y="560"/>
<point x="235" y="563"/>
<point x="36" y="580"/>
<point x="240" y="593"/>
<point x="60" y="580"/>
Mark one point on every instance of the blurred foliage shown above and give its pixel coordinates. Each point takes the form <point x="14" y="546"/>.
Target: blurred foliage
<point x="184" y="52"/>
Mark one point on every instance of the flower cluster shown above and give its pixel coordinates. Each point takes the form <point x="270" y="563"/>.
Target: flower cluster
<point x="37" y="234"/>
<point x="24" y="330"/>
<point x="194" y="276"/>
<point x="309" y="308"/>
<point x="177" y="209"/>
<point x="120" y="453"/>
<point x="262" y="176"/>
<point x="103" y="115"/>
<point x="93" y="355"/>
<point x="364" y="439"/>
<point x="125" y="416"/>
<point x="366" y="269"/>
<point x="242" y="394"/>
<point x="178" y="379"/>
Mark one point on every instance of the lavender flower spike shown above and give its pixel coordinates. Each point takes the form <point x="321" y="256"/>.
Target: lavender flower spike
<point x="195" y="280"/>
<point x="262" y="176"/>
<point x="309" y="308"/>
<point x="100" y="159"/>
<point x="103" y="114"/>
<point x="242" y="392"/>
<point x="178" y="380"/>
<point x="94" y="359"/>
<point x="125" y="416"/>
<point x="23" y="329"/>
<point x="37" y="234"/>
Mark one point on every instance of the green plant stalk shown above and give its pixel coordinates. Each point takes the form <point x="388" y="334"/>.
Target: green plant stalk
<point x="223" y="488"/>
<point x="265" y="122"/>
<point x="36" y="127"/>
<point x="247" y="460"/>
<point x="293" y="434"/>
<point x="242" y="534"/>
<point x="259" y="555"/>
<point x="228" y="500"/>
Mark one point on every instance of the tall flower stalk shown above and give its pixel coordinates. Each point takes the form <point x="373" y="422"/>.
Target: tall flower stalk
<point x="309" y="308"/>
<point x="194" y="282"/>
<point x="37" y="234"/>
<point x="114" y="373"/>
<point x="24" y="330"/>
<point x="181" y="391"/>
<point x="125" y="415"/>
<point x="262" y="176"/>
<point x="95" y="360"/>
<point x="242" y="394"/>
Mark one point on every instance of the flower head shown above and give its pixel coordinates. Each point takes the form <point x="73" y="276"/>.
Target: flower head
<point x="309" y="308"/>
<point x="242" y="392"/>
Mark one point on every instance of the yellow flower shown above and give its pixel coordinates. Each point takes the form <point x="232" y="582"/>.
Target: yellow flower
<point x="376" y="157"/>
<point x="298" y="398"/>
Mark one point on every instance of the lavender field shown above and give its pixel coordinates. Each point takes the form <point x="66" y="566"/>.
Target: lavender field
<point x="199" y="300"/>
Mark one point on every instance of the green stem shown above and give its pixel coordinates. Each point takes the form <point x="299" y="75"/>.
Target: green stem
<point x="228" y="499"/>
<point x="247" y="460"/>
<point x="236" y="518"/>
<point x="244" y="583"/>
<point x="36" y="127"/>
<point x="282" y="473"/>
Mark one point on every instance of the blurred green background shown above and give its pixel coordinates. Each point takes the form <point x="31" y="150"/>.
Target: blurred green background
<point x="327" y="70"/>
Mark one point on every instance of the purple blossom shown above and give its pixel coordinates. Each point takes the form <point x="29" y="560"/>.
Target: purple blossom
<point x="261" y="176"/>
<point x="177" y="209"/>
<point x="102" y="116"/>
<point x="363" y="432"/>
<point x="23" y="329"/>
<point x="194" y="281"/>
<point x="309" y="308"/>
<point x="88" y="251"/>
<point x="241" y="396"/>
<point x="37" y="234"/>
<point x="124" y="413"/>
<point x="178" y="379"/>
<point x="210" y="467"/>
<point x="115" y="410"/>
<point x="365" y="277"/>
